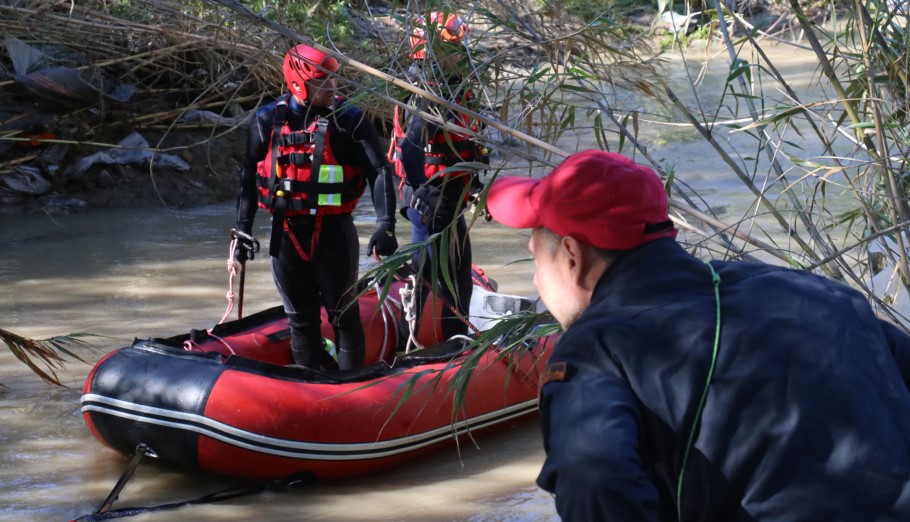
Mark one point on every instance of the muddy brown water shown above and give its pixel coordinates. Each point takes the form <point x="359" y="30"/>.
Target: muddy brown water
<point x="127" y="273"/>
<point x="154" y="272"/>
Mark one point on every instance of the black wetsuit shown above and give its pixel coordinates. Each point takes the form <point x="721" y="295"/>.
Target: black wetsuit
<point x="328" y="277"/>
<point x="459" y="258"/>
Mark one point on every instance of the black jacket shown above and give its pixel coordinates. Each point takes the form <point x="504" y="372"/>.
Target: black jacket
<point x="354" y="141"/>
<point x="807" y="417"/>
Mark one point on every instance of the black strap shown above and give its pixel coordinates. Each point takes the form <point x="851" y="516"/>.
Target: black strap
<point x="449" y="147"/>
<point x="314" y="187"/>
<point x="309" y="203"/>
<point x="297" y="138"/>
<point x="294" y="158"/>
<point x="653" y="228"/>
<point x="442" y="160"/>
<point x="281" y="117"/>
<point x="278" y="205"/>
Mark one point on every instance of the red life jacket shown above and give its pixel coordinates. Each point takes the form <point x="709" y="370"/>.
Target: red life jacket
<point x="287" y="184"/>
<point x="443" y="149"/>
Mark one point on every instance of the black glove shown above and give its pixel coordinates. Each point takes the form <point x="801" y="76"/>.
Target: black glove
<point x="241" y="255"/>
<point x="436" y="207"/>
<point x="383" y="239"/>
<point x="246" y="247"/>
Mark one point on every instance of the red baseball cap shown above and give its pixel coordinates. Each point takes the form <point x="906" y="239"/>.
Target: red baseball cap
<point x="603" y="199"/>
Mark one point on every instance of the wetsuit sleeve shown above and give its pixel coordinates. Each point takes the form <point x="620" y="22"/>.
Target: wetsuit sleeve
<point x="412" y="155"/>
<point x="590" y="425"/>
<point x="899" y="343"/>
<point x="256" y="148"/>
<point x="376" y="168"/>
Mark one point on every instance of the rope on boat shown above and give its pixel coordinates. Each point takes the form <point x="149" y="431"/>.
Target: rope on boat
<point x="387" y="313"/>
<point x="232" y="274"/>
<point x="385" y="325"/>
<point x="388" y="304"/>
<point x="190" y="346"/>
<point x="219" y="496"/>
<point x="143" y="450"/>
<point x="409" y="297"/>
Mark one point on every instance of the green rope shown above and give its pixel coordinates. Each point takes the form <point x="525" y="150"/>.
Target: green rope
<point x="715" y="280"/>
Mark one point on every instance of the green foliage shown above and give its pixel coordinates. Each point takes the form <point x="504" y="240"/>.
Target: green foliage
<point x="322" y="20"/>
<point x="591" y="9"/>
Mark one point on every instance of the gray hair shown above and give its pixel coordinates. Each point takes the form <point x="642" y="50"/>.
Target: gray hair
<point x="552" y="239"/>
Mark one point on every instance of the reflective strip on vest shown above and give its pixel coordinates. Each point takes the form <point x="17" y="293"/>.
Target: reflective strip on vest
<point x="330" y="174"/>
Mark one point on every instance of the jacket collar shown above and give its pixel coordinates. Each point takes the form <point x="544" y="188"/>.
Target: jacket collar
<point x="638" y="267"/>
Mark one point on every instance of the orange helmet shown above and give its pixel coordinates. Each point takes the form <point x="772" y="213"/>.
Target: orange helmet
<point x="304" y="63"/>
<point x="449" y="28"/>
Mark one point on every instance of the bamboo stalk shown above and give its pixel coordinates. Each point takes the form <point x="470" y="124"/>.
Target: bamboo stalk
<point x="896" y="207"/>
<point x="764" y="144"/>
<point x="706" y="134"/>
<point x="825" y="64"/>
<point x="344" y="60"/>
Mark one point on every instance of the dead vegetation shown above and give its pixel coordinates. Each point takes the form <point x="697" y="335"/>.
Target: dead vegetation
<point x="80" y="78"/>
<point x="77" y="79"/>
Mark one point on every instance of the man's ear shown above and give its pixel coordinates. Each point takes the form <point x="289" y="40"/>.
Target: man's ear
<point x="584" y="267"/>
<point x="574" y="258"/>
<point x="298" y="90"/>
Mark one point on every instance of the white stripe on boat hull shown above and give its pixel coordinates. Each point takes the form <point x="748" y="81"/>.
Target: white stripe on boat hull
<point x="295" y="449"/>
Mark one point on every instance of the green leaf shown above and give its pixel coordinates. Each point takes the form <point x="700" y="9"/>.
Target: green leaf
<point x="536" y="73"/>
<point x="738" y="68"/>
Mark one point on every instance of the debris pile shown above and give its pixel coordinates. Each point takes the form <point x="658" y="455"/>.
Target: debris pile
<point x="84" y="87"/>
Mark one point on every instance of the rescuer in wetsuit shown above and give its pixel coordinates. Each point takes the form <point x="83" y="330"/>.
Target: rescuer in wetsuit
<point x="423" y="152"/>
<point x="309" y="157"/>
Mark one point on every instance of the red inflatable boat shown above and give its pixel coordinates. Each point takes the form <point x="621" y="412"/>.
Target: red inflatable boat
<point x="229" y="400"/>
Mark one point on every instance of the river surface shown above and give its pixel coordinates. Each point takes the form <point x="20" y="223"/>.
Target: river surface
<point x="154" y="272"/>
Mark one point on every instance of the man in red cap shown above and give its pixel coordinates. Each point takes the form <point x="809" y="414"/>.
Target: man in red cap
<point x="684" y="390"/>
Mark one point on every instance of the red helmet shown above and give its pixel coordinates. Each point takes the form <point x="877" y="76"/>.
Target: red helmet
<point x="449" y="27"/>
<point x="304" y="63"/>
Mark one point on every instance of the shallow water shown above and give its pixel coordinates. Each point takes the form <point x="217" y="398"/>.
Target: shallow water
<point x="128" y="273"/>
<point x="154" y="272"/>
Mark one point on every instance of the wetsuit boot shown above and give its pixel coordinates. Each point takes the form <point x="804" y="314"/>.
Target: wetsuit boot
<point x="306" y="352"/>
<point x="348" y="359"/>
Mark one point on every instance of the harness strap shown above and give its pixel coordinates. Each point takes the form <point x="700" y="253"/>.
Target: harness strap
<point x="294" y="158"/>
<point x="447" y="160"/>
<point x="281" y="117"/>
<point x="314" y="240"/>
<point x="277" y="204"/>
<point x="347" y="188"/>
<point x="308" y="205"/>
<point x="296" y="138"/>
<point x="449" y="148"/>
